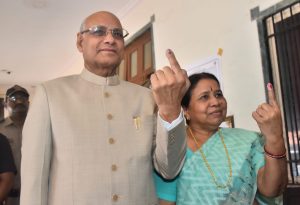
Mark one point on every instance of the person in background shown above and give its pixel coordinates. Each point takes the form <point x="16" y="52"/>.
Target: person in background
<point x="91" y="138"/>
<point x="226" y="165"/>
<point x="7" y="169"/>
<point x="16" y="104"/>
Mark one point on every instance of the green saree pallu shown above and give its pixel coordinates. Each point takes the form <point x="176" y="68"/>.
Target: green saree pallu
<point x="223" y="171"/>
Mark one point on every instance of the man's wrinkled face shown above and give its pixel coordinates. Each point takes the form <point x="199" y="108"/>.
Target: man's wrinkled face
<point x="101" y="52"/>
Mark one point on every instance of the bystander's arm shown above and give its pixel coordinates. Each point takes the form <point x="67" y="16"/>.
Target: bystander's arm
<point x="6" y="183"/>
<point x="7" y="168"/>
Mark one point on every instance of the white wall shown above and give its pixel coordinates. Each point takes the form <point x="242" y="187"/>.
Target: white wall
<point x="196" y="29"/>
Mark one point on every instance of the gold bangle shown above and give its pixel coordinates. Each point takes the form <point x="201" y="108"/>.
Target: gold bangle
<point x="275" y="156"/>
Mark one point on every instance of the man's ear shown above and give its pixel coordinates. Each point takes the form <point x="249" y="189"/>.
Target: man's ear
<point x="186" y="114"/>
<point x="79" y="42"/>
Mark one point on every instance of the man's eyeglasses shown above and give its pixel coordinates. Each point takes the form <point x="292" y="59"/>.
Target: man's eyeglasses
<point x="117" y="33"/>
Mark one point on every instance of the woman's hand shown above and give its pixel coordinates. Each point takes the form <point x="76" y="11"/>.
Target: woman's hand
<point x="272" y="178"/>
<point x="268" y="118"/>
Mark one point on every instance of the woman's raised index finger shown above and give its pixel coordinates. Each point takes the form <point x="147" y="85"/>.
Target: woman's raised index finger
<point x="271" y="94"/>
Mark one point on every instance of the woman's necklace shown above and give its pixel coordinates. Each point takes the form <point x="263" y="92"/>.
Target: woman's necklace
<point x="220" y="186"/>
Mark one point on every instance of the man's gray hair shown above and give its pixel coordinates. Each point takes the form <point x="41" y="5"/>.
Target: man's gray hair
<point x="82" y="26"/>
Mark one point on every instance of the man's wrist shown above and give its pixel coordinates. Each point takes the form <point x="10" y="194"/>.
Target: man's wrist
<point x="173" y="123"/>
<point x="169" y="114"/>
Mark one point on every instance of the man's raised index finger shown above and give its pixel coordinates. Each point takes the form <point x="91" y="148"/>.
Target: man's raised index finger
<point x="172" y="59"/>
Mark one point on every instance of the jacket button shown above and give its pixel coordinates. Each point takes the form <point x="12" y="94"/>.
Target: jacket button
<point x="114" y="167"/>
<point x="115" y="197"/>
<point x="111" y="140"/>
<point x="109" y="116"/>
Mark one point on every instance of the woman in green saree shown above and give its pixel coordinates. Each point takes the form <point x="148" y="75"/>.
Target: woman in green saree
<point x="226" y="165"/>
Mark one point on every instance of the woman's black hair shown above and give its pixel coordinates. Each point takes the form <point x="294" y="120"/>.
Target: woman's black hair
<point x="194" y="79"/>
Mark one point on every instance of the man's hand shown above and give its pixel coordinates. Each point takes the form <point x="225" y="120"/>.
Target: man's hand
<point x="169" y="86"/>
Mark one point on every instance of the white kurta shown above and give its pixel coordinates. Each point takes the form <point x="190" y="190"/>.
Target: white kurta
<point x="88" y="140"/>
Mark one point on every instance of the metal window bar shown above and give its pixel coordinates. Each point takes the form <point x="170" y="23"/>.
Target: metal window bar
<point x="285" y="32"/>
<point x="285" y="94"/>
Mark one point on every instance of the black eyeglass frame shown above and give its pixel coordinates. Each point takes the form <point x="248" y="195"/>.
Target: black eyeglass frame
<point x="93" y="31"/>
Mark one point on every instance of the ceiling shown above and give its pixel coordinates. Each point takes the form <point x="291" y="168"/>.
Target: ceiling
<point x="38" y="36"/>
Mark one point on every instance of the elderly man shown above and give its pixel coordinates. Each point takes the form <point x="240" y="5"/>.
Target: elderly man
<point x="91" y="138"/>
<point x="16" y="104"/>
<point x="7" y="169"/>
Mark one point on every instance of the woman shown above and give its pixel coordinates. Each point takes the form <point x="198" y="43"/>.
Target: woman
<point x="225" y="165"/>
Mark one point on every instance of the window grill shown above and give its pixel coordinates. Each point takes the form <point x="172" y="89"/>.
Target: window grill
<point x="282" y="31"/>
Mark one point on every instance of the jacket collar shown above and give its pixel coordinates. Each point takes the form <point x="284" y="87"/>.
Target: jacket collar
<point x="99" y="80"/>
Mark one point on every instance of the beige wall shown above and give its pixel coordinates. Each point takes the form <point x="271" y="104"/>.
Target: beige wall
<point x="196" y="29"/>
